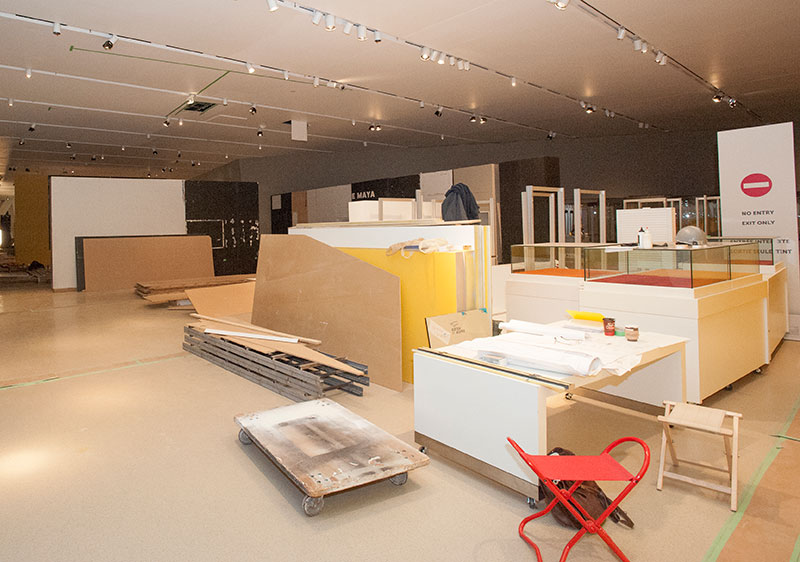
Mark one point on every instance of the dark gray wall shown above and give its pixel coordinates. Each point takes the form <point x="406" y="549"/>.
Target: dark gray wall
<point x="651" y="163"/>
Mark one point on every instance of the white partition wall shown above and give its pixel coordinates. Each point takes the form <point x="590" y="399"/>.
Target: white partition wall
<point x="109" y="207"/>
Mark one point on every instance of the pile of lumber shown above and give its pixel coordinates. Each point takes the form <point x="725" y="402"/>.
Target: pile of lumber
<point x="284" y="365"/>
<point x="159" y="292"/>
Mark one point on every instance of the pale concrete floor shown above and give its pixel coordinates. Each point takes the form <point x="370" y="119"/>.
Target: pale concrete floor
<point x="133" y="455"/>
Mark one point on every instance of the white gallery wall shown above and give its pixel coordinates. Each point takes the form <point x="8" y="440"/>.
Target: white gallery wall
<point x="109" y="207"/>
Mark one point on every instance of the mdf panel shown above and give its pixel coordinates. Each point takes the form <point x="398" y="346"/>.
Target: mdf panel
<point x="115" y="263"/>
<point x="109" y="207"/>
<point x="32" y="229"/>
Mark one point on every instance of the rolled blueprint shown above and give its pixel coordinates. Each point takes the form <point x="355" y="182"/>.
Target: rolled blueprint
<point x="542" y="329"/>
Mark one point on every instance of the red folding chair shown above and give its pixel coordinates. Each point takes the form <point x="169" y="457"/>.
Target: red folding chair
<point x="581" y="468"/>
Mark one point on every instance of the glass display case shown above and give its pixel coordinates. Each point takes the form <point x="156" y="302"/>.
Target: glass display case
<point x="686" y="267"/>
<point x="560" y="259"/>
<point x="766" y="246"/>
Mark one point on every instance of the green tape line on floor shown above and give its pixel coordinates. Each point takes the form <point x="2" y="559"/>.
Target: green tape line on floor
<point x="135" y="363"/>
<point x="730" y="525"/>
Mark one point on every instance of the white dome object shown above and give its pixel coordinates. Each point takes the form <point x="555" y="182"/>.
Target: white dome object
<point x="692" y="236"/>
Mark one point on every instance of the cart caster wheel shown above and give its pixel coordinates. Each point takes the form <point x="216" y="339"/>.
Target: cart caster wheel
<point x="312" y="506"/>
<point x="399" y="479"/>
<point x="568" y="396"/>
<point x="729" y="387"/>
<point x="244" y="438"/>
<point x="423" y="449"/>
<point x="531" y="503"/>
<point x="758" y="371"/>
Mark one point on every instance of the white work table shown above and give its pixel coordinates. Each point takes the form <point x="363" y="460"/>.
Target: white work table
<point x="465" y="407"/>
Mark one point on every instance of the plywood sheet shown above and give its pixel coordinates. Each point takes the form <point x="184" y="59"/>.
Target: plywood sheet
<point x="225" y="300"/>
<point x="113" y="263"/>
<point x="309" y="288"/>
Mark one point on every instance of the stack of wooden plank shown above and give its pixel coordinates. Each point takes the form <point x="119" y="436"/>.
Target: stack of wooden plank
<point x="289" y="369"/>
<point x="159" y="292"/>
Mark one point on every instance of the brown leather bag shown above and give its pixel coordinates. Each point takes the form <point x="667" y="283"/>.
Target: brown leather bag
<point x="589" y="495"/>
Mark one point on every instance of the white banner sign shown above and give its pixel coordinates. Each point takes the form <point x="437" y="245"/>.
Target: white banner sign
<point x="759" y="194"/>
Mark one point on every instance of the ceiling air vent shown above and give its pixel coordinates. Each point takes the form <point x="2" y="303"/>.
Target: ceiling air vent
<point x="199" y="106"/>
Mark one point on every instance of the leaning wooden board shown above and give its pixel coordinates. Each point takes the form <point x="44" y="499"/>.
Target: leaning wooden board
<point x="324" y="448"/>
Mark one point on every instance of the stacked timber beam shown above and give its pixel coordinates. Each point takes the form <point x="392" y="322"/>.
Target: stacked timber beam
<point x="288" y="368"/>
<point x="159" y="292"/>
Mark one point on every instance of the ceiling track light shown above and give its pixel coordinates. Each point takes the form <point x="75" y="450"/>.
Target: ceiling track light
<point x="562" y="4"/>
<point x="732" y="102"/>
<point x="460" y="64"/>
<point x="69" y="145"/>
<point x="28" y="73"/>
<point x="73" y="156"/>
<point x="348" y="27"/>
<point x="250" y="68"/>
<point x="285" y="74"/>
<point x="166" y="122"/>
<point x="330" y="22"/>
<point x="663" y="61"/>
<point x="272" y="5"/>
<point x="610" y="114"/>
<point x="637" y="44"/>
<point x="435" y="55"/>
<point x="361" y="33"/>
<point x="56" y="28"/>
<point x="439" y="111"/>
<point x="421" y="104"/>
<point x="10" y="102"/>
<point x="32" y="128"/>
<point x="377" y="35"/>
<point x="482" y="120"/>
<point x="659" y="57"/>
<point x="260" y="132"/>
<point x="316" y="81"/>
<point x="225" y="102"/>
<point x="375" y="127"/>
<point x="717" y="97"/>
<point x="466" y="65"/>
<point x="21" y="142"/>
<point x="425" y="53"/>
<point x="253" y="110"/>
<point x="180" y="122"/>
<point x="644" y="47"/>
<point x="621" y="32"/>
<point x="110" y="42"/>
<point x="513" y="81"/>
<point x="316" y="17"/>
<point x="452" y="60"/>
<point x="442" y="58"/>
<point x="473" y="119"/>
<point x="190" y="101"/>
<point x="155" y="152"/>
<point x="551" y="135"/>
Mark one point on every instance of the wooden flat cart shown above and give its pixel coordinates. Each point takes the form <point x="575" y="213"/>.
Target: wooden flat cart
<point x="324" y="448"/>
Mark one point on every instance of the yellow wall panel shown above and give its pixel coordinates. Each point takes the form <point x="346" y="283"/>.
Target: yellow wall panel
<point x="429" y="286"/>
<point x="32" y="228"/>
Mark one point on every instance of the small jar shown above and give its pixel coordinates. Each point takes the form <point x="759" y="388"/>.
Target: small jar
<point x="632" y="332"/>
<point x="609" y="327"/>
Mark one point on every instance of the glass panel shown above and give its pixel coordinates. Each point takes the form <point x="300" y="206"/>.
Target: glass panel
<point x="713" y="227"/>
<point x="564" y="260"/>
<point x="766" y="246"/>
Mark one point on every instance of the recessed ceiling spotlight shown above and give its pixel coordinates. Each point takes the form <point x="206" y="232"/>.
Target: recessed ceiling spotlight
<point x="272" y="5"/>
<point x="316" y="17"/>
<point x="253" y="110"/>
<point x="348" y="27"/>
<point x="330" y="22"/>
<point x="439" y="111"/>
<point x="378" y="36"/>
<point x="110" y="42"/>
<point x="250" y="68"/>
<point x="621" y="32"/>
<point x="361" y="33"/>
<point x="260" y="132"/>
<point x="425" y="53"/>
<point x="56" y="28"/>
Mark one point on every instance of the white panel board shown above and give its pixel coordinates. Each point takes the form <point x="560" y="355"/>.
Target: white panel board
<point x="109" y="207"/>
<point x="758" y="192"/>
<point x="660" y="221"/>
<point x="366" y="210"/>
<point x="435" y="184"/>
<point x="385" y="236"/>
